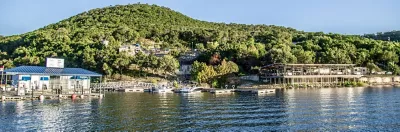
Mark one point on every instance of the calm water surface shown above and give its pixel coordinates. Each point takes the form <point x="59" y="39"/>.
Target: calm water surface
<point x="333" y="109"/>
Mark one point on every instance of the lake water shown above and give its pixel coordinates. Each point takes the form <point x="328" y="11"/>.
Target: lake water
<point x="332" y="109"/>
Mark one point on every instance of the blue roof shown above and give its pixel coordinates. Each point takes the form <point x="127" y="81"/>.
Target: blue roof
<point x="39" y="70"/>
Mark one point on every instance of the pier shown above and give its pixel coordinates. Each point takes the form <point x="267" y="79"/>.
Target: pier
<point x="242" y="90"/>
<point x="222" y="91"/>
<point x="136" y="90"/>
<point x="127" y="86"/>
<point x="259" y="91"/>
<point x="52" y="96"/>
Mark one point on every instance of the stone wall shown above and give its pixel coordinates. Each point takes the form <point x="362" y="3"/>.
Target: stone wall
<point x="380" y="80"/>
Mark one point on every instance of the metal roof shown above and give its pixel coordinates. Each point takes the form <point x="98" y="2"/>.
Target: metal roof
<point x="39" y="70"/>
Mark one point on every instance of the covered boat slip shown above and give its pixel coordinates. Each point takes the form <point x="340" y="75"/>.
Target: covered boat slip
<point x="49" y="80"/>
<point x="320" y="74"/>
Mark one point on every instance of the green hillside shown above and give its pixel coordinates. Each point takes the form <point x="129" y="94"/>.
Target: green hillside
<point x="78" y="40"/>
<point x="388" y="36"/>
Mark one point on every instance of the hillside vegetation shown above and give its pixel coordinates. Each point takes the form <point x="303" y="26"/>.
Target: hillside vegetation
<point x="79" y="40"/>
<point x="388" y="36"/>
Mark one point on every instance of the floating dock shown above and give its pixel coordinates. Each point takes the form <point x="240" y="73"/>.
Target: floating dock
<point x="222" y="91"/>
<point x="245" y="90"/>
<point x="265" y="91"/>
<point x="135" y="90"/>
<point x="54" y="96"/>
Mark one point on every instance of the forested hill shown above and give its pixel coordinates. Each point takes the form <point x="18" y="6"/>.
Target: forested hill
<point x="78" y="40"/>
<point x="387" y="36"/>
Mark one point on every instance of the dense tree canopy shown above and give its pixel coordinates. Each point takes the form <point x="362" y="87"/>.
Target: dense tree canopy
<point x="389" y="36"/>
<point x="79" y="39"/>
<point x="203" y="73"/>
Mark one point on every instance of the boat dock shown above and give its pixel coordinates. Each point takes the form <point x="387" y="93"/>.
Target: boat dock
<point x="98" y="90"/>
<point x="259" y="91"/>
<point x="53" y="96"/>
<point x="136" y="90"/>
<point x="222" y="91"/>
<point x="242" y="90"/>
<point x="8" y="97"/>
<point x="122" y="86"/>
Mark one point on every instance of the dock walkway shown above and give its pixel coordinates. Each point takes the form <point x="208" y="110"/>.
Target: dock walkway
<point x="48" y="96"/>
<point x="118" y="86"/>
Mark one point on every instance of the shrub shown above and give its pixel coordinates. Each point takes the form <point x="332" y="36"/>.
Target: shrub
<point x="154" y="81"/>
<point x="361" y="84"/>
<point x="175" y="84"/>
<point x="353" y="83"/>
<point x="347" y="84"/>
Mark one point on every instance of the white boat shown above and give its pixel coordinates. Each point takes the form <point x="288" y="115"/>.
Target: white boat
<point x="162" y="90"/>
<point x="191" y="90"/>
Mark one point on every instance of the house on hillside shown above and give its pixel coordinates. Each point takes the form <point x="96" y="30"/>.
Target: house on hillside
<point x="130" y="49"/>
<point x="185" y="64"/>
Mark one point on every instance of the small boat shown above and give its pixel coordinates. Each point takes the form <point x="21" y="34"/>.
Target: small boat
<point x="191" y="90"/>
<point x="147" y="90"/>
<point x="162" y="90"/>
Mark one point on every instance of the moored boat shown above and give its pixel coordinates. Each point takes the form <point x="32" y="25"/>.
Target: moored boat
<point x="191" y="90"/>
<point x="162" y="90"/>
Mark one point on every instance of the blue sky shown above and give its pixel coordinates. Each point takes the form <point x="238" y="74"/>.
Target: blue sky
<point x="338" y="16"/>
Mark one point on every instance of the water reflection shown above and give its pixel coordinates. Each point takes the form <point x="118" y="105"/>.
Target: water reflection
<point x="326" y="109"/>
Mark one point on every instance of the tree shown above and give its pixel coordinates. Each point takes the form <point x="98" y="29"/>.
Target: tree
<point x="215" y="59"/>
<point x="372" y="67"/>
<point x="206" y="74"/>
<point x="169" y="64"/>
<point x="88" y="58"/>
<point x="388" y="56"/>
<point x="361" y="57"/>
<point x="6" y="63"/>
<point x="304" y="57"/>
<point x="233" y="67"/>
<point x="281" y="54"/>
<point x="227" y="67"/>
<point x="121" y="63"/>
<point x="201" y="72"/>
<point x="335" y="56"/>
<point x="175" y="53"/>
<point x="200" y="46"/>
<point x="212" y="45"/>
<point x="153" y="62"/>
<point x="261" y="49"/>
<point x="252" y="50"/>
<point x="107" y="69"/>
<point x="139" y="59"/>
<point x="394" y="68"/>
<point x="196" y="68"/>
